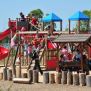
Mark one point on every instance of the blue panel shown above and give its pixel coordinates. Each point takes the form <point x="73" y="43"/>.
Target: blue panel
<point x="79" y="16"/>
<point x="51" y="17"/>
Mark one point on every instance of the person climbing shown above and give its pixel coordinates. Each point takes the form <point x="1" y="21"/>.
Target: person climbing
<point x="35" y="57"/>
<point x="34" y="23"/>
<point x="22" y="16"/>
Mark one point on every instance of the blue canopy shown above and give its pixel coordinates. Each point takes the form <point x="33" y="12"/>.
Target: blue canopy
<point x="79" y="16"/>
<point x="51" y="17"/>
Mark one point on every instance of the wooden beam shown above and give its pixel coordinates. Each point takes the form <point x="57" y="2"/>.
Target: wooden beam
<point x="78" y="26"/>
<point x="13" y="65"/>
<point x="21" y="80"/>
<point x="88" y="44"/>
<point x="61" y="25"/>
<point x="69" y="27"/>
<point x="8" y="58"/>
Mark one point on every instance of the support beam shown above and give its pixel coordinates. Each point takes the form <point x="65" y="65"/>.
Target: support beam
<point x="88" y="25"/>
<point x="78" y="31"/>
<point x="69" y="27"/>
<point x="61" y="25"/>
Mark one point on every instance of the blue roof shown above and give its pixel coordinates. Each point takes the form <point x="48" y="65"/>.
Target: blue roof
<point x="51" y="17"/>
<point x="79" y="16"/>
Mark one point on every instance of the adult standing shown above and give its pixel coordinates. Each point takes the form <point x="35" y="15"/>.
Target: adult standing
<point x="37" y="65"/>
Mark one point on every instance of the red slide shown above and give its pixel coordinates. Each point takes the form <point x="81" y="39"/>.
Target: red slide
<point x="3" y="52"/>
<point x="4" y="34"/>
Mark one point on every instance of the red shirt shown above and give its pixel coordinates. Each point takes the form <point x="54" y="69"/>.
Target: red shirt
<point x="34" y="21"/>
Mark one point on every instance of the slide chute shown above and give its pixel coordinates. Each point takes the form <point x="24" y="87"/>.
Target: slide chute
<point x="3" y="52"/>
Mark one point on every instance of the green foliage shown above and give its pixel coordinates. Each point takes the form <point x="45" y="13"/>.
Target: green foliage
<point x="38" y="13"/>
<point x="88" y="13"/>
<point x="83" y="24"/>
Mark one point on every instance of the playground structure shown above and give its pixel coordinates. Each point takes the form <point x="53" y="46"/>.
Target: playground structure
<point x="50" y="42"/>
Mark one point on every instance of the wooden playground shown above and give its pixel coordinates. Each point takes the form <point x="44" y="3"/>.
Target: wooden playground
<point x="50" y="44"/>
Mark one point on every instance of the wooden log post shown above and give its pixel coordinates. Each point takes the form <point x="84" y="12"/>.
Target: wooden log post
<point x="5" y="74"/>
<point x="17" y="72"/>
<point x="51" y="78"/>
<point x="9" y="74"/>
<point x="24" y="75"/>
<point x="21" y="80"/>
<point x="58" y="78"/>
<point x="64" y="77"/>
<point x="1" y="76"/>
<point x="45" y="77"/>
<point x="88" y="80"/>
<point x="75" y="79"/>
<point x="30" y="75"/>
<point x="69" y="26"/>
<point x="82" y="79"/>
<point x="69" y="78"/>
<point x="35" y="76"/>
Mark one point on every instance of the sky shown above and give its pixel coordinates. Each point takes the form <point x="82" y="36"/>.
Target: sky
<point x="62" y="8"/>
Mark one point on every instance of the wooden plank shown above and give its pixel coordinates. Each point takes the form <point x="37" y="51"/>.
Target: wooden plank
<point x="21" y="80"/>
<point x="73" y="38"/>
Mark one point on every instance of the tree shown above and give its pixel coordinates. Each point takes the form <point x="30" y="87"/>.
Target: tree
<point x="84" y="23"/>
<point x="38" y="13"/>
<point x="87" y="12"/>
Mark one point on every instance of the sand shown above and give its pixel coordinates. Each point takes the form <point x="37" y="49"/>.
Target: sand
<point x="10" y="86"/>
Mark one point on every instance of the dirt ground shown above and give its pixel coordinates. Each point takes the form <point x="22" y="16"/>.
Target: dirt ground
<point x="10" y="86"/>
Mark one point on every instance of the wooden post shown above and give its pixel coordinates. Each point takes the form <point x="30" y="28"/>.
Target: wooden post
<point x="16" y="24"/>
<point x="69" y="78"/>
<point x="64" y="77"/>
<point x="58" y="54"/>
<point x="24" y="75"/>
<point x="45" y="77"/>
<point x="58" y="78"/>
<point x="52" y="28"/>
<point x="30" y="75"/>
<point x="9" y="74"/>
<point x="69" y="27"/>
<point x="13" y="65"/>
<point x="35" y="76"/>
<point x="1" y="75"/>
<point x="82" y="47"/>
<point x="61" y="25"/>
<point x="51" y="78"/>
<point x="4" y="73"/>
<point x="88" y="80"/>
<point x="46" y="50"/>
<point x="20" y="55"/>
<point x="78" y="26"/>
<point x="43" y="26"/>
<point x="88" y="24"/>
<point x="75" y="79"/>
<point x="82" y="79"/>
<point x="8" y="58"/>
